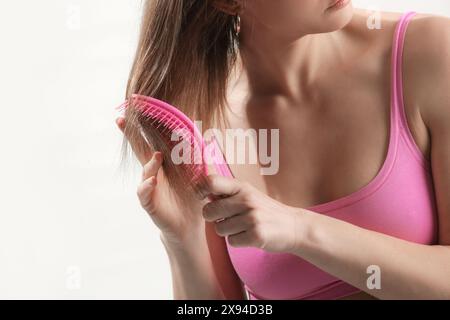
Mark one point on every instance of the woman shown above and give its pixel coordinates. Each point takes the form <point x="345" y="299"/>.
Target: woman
<point x="360" y="206"/>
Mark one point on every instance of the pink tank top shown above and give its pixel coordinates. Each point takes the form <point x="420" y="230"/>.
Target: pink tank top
<point x="398" y="202"/>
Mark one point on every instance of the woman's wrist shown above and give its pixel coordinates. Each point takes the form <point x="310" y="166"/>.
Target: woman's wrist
<point x="188" y="244"/>
<point x="191" y="266"/>
<point x="317" y="234"/>
<point x="307" y="229"/>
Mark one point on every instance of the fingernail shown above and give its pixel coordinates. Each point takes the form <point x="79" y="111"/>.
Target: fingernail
<point x="120" y="121"/>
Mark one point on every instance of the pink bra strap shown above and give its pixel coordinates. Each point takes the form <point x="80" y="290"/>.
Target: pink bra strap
<point x="397" y="71"/>
<point x="398" y="99"/>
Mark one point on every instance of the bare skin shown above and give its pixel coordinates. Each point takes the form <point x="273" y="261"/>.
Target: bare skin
<point x="335" y="86"/>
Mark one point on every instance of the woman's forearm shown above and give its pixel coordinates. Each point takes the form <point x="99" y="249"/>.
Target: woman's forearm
<point x="192" y="270"/>
<point x="408" y="270"/>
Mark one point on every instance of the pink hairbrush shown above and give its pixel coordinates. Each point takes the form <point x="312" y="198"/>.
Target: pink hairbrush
<point x="167" y="119"/>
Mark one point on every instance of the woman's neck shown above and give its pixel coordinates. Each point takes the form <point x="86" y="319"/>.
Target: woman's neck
<point x="279" y="66"/>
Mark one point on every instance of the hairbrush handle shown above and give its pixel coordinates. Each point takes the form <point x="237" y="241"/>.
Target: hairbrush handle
<point x="219" y="161"/>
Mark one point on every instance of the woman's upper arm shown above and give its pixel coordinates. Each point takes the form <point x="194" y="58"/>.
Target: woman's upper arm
<point x="432" y="84"/>
<point x="440" y="161"/>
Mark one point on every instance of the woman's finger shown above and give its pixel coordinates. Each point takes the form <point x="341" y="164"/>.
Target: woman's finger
<point x="234" y="225"/>
<point x="145" y="193"/>
<point x="224" y="207"/>
<point x="142" y="152"/>
<point x="244" y="239"/>
<point x="121" y="123"/>
<point x="151" y="168"/>
<point x="221" y="186"/>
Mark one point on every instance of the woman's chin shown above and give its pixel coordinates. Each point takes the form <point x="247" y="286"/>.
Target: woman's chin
<point x="339" y="18"/>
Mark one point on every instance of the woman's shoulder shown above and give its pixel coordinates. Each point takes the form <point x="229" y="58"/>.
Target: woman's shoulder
<point x="427" y="44"/>
<point x="426" y="66"/>
<point x="425" y="56"/>
<point x="426" y="51"/>
<point x="377" y="27"/>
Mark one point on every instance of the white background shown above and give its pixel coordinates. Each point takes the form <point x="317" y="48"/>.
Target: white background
<point x="70" y="224"/>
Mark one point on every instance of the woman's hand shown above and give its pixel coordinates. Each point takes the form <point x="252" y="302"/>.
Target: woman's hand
<point x="177" y="225"/>
<point x="250" y="218"/>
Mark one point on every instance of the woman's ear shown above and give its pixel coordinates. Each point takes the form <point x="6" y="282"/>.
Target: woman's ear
<point x="232" y="7"/>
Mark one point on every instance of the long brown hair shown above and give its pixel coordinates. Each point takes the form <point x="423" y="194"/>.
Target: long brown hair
<point x="186" y="52"/>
